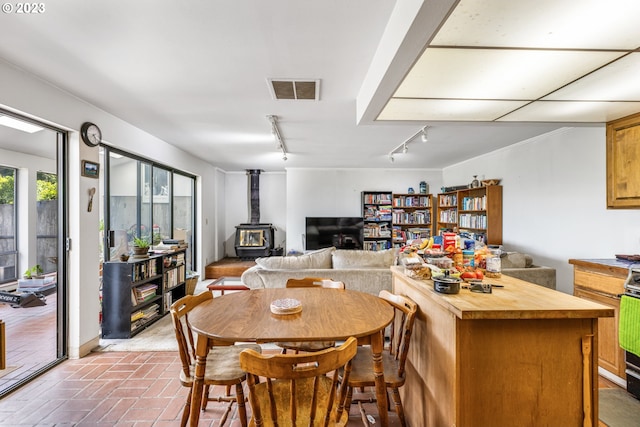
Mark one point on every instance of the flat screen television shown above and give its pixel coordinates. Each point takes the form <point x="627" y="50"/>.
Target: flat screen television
<point x="341" y="232"/>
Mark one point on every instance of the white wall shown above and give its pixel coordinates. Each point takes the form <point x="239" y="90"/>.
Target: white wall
<point x="554" y="199"/>
<point x="336" y="192"/>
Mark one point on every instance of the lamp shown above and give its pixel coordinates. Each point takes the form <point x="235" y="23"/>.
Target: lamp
<point x="404" y="146"/>
<point x="275" y="130"/>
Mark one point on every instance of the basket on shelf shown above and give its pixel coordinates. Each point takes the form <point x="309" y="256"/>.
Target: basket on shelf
<point x="192" y="281"/>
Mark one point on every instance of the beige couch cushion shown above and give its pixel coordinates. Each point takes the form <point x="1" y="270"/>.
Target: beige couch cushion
<point x="516" y="260"/>
<point x="348" y="259"/>
<point x="316" y="259"/>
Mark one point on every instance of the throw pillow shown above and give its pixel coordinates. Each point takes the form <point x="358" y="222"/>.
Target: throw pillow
<point x="316" y="259"/>
<point x="345" y="259"/>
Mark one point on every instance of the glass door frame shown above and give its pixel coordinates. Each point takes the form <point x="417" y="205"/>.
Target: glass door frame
<point x="62" y="248"/>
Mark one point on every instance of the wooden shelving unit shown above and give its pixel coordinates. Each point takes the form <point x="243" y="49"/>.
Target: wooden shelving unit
<point x="377" y="216"/>
<point x="447" y="212"/>
<point x="137" y="293"/>
<point x="413" y="217"/>
<point x="474" y="210"/>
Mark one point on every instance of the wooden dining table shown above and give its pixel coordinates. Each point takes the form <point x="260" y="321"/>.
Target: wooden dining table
<point x="326" y="315"/>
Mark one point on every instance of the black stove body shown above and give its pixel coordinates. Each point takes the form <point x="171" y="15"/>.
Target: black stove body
<point x="632" y="289"/>
<point x="254" y="239"/>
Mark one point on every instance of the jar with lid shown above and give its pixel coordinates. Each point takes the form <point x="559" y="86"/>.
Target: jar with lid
<point x="494" y="264"/>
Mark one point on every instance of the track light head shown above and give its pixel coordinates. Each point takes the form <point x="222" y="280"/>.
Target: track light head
<point x="284" y="157"/>
<point x="391" y="159"/>
<point x="405" y="149"/>
<point x="425" y="136"/>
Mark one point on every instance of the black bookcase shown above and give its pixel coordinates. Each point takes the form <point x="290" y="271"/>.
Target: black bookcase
<point x="137" y="293"/>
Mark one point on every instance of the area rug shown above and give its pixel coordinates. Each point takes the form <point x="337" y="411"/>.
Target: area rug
<point x="618" y="408"/>
<point x="158" y="337"/>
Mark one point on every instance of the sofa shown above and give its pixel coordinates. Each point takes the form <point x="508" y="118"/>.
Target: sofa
<point x="520" y="266"/>
<point x="364" y="271"/>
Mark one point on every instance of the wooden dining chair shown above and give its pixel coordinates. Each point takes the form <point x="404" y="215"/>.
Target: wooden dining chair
<point x="394" y="356"/>
<point x="223" y="361"/>
<point x="298" y="389"/>
<point x="310" y="282"/>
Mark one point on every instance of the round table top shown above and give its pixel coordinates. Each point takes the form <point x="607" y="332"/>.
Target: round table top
<point x="327" y="314"/>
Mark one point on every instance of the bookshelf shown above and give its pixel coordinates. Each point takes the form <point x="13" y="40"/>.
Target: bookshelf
<point x="477" y="211"/>
<point x="447" y="212"/>
<point x="137" y="293"/>
<point x="377" y="216"/>
<point x="412" y="217"/>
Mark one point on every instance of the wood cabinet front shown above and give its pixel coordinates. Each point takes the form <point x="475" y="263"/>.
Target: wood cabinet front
<point x="603" y="283"/>
<point x="623" y="168"/>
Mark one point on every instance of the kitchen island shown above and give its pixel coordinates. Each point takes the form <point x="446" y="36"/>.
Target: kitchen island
<point x="523" y="355"/>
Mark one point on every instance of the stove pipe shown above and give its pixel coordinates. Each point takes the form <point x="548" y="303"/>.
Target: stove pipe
<point x="254" y="195"/>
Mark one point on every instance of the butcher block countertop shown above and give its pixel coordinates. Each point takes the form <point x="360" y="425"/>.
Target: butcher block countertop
<point x="611" y="266"/>
<point x="516" y="300"/>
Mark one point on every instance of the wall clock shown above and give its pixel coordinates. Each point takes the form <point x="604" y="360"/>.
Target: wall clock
<point x="90" y="134"/>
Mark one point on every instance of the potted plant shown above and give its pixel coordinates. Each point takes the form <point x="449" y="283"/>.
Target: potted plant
<point x="33" y="272"/>
<point x="140" y="246"/>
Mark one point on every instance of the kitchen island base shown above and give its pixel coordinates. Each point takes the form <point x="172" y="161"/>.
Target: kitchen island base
<point x="521" y="356"/>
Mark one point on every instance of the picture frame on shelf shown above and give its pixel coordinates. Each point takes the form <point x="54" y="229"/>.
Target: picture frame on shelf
<point x="90" y="169"/>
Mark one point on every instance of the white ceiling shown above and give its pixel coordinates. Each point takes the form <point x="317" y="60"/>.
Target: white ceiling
<point x="195" y="73"/>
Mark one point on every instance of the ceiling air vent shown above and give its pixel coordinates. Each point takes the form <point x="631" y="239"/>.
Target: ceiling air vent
<point x="294" y="89"/>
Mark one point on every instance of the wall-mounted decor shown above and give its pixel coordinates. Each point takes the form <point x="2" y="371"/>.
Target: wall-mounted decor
<point x="90" y="169"/>
<point x="623" y="166"/>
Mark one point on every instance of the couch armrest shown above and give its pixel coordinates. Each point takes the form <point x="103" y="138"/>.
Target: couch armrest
<point x="251" y="279"/>
<point x="543" y="276"/>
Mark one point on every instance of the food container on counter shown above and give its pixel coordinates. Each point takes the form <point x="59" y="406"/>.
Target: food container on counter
<point x="446" y="285"/>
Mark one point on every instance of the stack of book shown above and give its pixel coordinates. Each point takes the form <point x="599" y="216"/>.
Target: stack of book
<point x="169" y="245"/>
<point x="143" y="293"/>
<point x="140" y="317"/>
<point x="175" y="243"/>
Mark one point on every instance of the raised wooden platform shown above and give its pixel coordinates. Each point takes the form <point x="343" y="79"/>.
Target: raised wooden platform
<point x="227" y="267"/>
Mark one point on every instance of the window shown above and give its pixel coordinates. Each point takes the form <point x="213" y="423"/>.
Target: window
<point x="146" y="200"/>
<point x="8" y="249"/>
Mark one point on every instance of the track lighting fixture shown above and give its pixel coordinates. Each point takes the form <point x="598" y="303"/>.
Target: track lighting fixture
<point x="275" y="130"/>
<point x="404" y="146"/>
<point x="424" y="136"/>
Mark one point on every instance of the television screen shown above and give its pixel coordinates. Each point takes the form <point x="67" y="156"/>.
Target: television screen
<point x="341" y="232"/>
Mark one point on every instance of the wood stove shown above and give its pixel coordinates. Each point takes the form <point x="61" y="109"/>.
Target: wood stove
<point x="254" y="240"/>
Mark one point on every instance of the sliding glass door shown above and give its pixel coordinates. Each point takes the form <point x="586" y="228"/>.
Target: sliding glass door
<point x="32" y="235"/>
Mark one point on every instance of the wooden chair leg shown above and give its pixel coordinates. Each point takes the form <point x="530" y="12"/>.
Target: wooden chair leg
<point x="205" y="398"/>
<point x="185" y="411"/>
<point x="242" y="410"/>
<point x="395" y="395"/>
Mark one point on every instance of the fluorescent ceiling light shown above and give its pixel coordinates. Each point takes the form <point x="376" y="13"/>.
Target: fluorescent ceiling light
<point x="552" y="24"/>
<point x="447" y="110"/>
<point x="497" y="74"/>
<point x="505" y="60"/>
<point x="19" y="124"/>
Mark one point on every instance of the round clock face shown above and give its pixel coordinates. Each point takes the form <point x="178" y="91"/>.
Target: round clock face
<point x="91" y="134"/>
